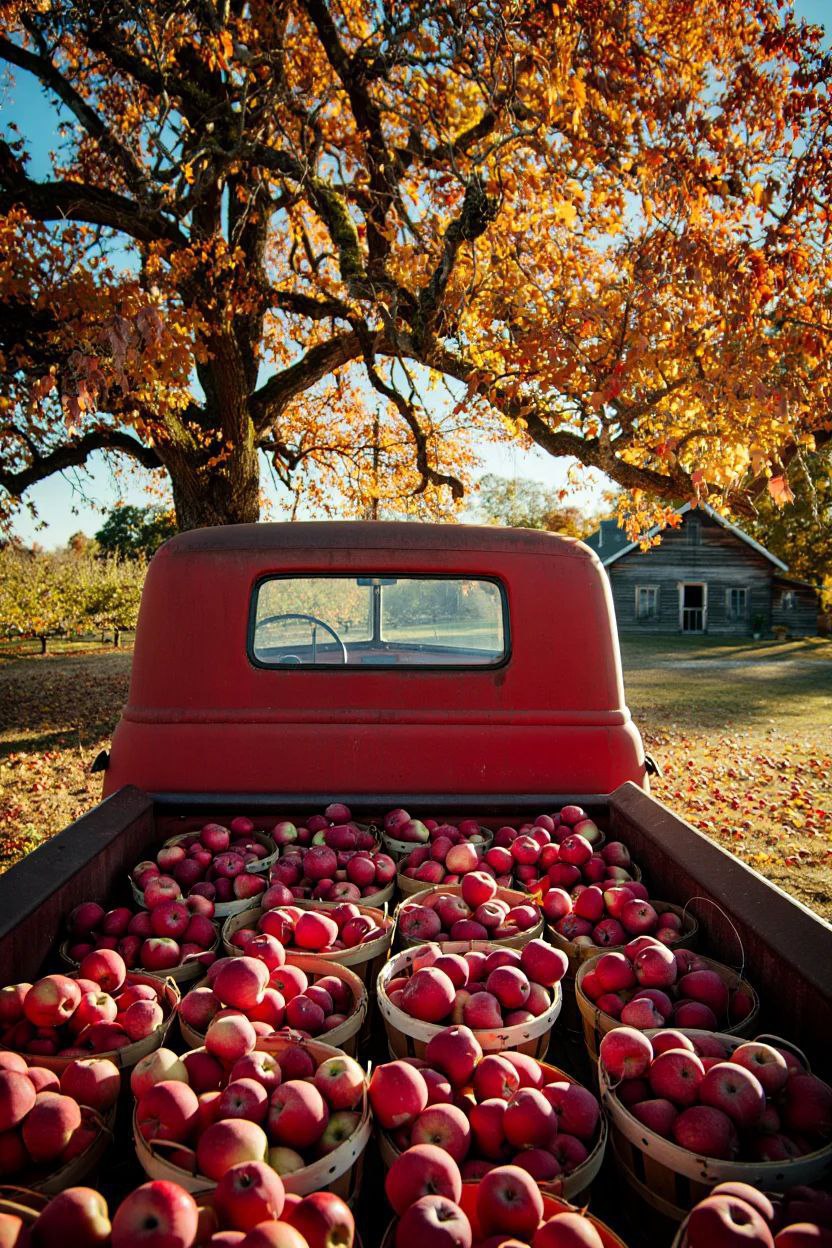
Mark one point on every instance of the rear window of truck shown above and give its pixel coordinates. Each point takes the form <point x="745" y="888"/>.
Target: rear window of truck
<point x="378" y="621"/>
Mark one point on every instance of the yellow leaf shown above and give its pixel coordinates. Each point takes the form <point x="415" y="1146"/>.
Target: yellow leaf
<point x="780" y="491"/>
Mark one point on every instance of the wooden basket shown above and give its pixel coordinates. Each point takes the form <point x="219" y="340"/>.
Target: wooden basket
<point x="400" y="849"/>
<point x="574" y="1186"/>
<point x="671" y="1180"/>
<point x="125" y="1058"/>
<point x="315" y="967"/>
<point x="552" y="1203"/>
<point x="409" y="1037"/>
<point x="375" y="901"/>
<point x="223" y="909"/>
<point x="596" y="1023"/>
<point x="27" y="1200"/>
<point x="513" y="897"/>
<point x="254" y="868"/>
<point x="365" y="959"/>
<point x="339" y="1171"/>
<point x="181" y="974"/>
<point x="584" y="953"/>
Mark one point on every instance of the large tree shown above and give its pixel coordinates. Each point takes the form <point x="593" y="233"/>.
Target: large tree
<point x="607" y="222"/>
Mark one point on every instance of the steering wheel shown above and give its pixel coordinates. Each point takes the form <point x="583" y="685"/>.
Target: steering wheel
<point x="312" y="619"/>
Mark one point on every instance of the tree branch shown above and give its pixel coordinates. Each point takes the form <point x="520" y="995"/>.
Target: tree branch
<point x="477" y="211"/>
<point x="43" y="68"/>
<point x="381" y="165"/>
<point x="79" y="201"/>
<point x="268" y="402"/>
<point x="429" y="475"/>
<point x="74" y="455"/>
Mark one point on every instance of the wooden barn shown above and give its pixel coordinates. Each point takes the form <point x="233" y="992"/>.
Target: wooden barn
<point x="706" y="576"/>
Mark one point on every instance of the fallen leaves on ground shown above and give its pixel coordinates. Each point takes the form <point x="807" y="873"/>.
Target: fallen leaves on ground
<point x="764" y="794"/>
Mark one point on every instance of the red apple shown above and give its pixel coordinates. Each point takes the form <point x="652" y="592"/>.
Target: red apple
<point x="76" y="1216"/>
<point x="423" y="1170"/>
<point x="156" y="1215"/>
<point x="227" y="1143"/>
<point x="509" y="1202"/>
<point x="734" y="1090"/>
<point x="298" y="1114"/>
<point x="247" y="1194"/>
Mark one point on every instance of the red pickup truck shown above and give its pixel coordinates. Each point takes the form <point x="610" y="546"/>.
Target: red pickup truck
<point x="452" y="670"/>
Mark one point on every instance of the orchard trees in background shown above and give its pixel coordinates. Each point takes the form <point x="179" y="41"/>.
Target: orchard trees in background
<point x="522" y="503"/>
<point x="381" y="232"/>
<point x="111" y="591"/>
<point x="38" y="595"/>
<point x="45" y="595"/>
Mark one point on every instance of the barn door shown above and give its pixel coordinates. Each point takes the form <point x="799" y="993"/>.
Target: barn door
<point x="693" y="606"/>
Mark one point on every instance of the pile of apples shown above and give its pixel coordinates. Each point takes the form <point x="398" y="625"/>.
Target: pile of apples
<point x="605" y="915"/>
<point x="508" y="1208"/>
<point x="736" y="1215"/>
<point x="321" y="873"/>
<point x="314" y="931"/>
<point x="474" y="913"/>
<point x="332" y="858"/>
<point x="216" y="862"/>
<point x="754" y="1102"/>
<point x="97" y="1011"/>
<point x="268" y="993"/>
<point x="648" y="985"/>
<point x="171" y="931"/>
<point x="47" y="1121"/>
<point x="249" y="1207"/>
<point x="226" y="1103"/>
<point x="482" y="990"/>
<point x="484" y="1110"/>
<point x="399" y="826"/>
<point x="335" y="828"/>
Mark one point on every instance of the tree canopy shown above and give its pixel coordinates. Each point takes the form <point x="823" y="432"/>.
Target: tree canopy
<point x="604" y="226"/>
<point x="802" y="534"/>
<point x="135" y="532"/>
<point x="522" y="503"/>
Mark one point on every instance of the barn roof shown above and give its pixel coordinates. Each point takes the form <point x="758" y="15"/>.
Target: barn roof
<point x="609" y="553"/>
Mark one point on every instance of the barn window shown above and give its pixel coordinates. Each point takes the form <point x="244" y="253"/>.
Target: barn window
<point x="693" y="528"/>
<point x="737" y="603"/>
<point x="788" y="600"/>
<point x="647" y="602"/>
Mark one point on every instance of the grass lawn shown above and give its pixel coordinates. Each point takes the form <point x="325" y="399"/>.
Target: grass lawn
<point x="741" y="732"/>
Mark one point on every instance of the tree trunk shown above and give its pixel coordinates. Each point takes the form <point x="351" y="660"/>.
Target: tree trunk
<point x="116" y="638"/>
<point x="44" y="640"/>
<point x="224" y="493"/>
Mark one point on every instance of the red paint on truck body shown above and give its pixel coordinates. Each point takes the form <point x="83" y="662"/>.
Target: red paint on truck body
<point x="201" y="717"/>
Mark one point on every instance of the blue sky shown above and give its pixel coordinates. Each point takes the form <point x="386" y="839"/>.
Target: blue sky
<point x="79" y="500"/>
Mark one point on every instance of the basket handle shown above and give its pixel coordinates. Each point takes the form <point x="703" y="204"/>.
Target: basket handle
<point x="28" y="1192"/>
<point x="766" y="1037"/>
<point x="172" y="1144"/>
<point x="710" y="901"/>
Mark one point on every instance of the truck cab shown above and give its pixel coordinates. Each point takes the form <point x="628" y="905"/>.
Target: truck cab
<point x="376" y="660"/>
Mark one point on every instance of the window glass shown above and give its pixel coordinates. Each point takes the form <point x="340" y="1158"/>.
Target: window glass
<point x="693" y="528"/>
<point x="647" y="602"/>
<point x="737" y="603"/>
<point x="378" y="621"/>
<point x="789" y="600"/>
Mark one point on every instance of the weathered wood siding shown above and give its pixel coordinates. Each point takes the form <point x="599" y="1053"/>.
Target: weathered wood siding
<point x="802" y="619"/>
<point x="721" y="560"/>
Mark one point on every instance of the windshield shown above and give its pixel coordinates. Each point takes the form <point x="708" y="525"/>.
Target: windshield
<point x="378" y="621"/>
